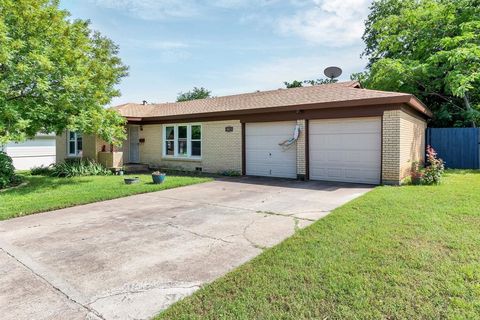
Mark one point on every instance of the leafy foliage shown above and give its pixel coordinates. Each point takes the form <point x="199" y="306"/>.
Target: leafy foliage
<point x="7" y="171"/>
<point x="196" y="93"/>
<point x="55" y="74"/>
<point x="296" y="83"/>
<point x="78" y="167"/>
<point x="430" y="48"/>
<point x="41" y="170"/>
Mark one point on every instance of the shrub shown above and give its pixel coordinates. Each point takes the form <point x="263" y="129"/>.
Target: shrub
<point x="41" y="170"/>
<point x="417" y="173"/>
<point x="7" y="171"/>
<point x="78" y="167"/>
<point x="231" y="173"/>
<point x="435" y="168"/>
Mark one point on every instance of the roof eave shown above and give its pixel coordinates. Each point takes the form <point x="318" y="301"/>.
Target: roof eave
<point x="401" y="99"/>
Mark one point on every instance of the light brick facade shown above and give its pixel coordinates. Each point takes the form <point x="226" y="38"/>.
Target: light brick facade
<point x="403" y="143"/>
<point x="89" y="144"/>
<point x="221" y="150"/>
<point x="301" y="150"/>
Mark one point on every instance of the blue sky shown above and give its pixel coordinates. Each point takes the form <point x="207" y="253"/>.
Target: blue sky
<point x="227" y="46"/>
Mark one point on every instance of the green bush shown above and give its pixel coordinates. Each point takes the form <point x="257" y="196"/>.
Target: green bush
<point x="7" y="171"/>
<point x="78" y="167"/>
<point x="41" y="171"/>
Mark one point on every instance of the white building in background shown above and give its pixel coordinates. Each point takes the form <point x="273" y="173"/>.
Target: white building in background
<point x="32" y="153"/>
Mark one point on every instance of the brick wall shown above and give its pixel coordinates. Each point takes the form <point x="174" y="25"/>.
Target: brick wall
<point x="301" y="160"/>
<point x="390" y="147"/>
<point x="61" y="147"/>
<point x="221" y="150"/>
<point x="89" y="145"/>
<point x="412" y="142"/>
<point x="403" y="142"/>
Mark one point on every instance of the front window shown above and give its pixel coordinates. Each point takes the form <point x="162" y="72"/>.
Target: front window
<point x="75" y="144"/>
<point x="183" y="141"/>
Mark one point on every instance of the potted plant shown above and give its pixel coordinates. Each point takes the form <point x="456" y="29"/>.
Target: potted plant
<point x="132" y="180"/>
<point x="158" y="177"/>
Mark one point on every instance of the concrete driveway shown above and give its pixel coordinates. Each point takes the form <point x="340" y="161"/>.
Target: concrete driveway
<point x="132" y="257"/>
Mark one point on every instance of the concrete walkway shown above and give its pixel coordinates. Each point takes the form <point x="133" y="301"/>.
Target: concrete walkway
<point x="133" y="257"/>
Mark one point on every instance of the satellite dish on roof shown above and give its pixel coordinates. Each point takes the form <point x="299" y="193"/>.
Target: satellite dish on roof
<point x="332" y="72"/>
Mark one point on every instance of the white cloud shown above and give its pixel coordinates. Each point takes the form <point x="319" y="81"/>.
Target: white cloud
<point x="333" y="23"/>
<point x="152" y="9"/>
<point x="271" y="74"/>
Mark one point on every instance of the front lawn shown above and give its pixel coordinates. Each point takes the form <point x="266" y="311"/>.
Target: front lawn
<point x="46" y="193"/>
<point x="408" y="252"/>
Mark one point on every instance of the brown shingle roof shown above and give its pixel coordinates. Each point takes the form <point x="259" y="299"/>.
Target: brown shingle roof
<point x="328" y="95"/>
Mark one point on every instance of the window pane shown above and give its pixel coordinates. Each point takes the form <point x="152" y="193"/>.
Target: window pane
<point x="169" y="148"/>
<point x="71" y="135"/>
<point x="71" y="147"/>
<point x="182" y="147"/>
<point x="169" y="133"/>
<point x="196" y="132"/>
<point x="182" y="132"/>
<point x="196" y="148"/>
<point x="79" y="143"/>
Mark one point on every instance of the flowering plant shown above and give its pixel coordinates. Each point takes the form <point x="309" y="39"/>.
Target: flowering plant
<point x="435" y="168"/>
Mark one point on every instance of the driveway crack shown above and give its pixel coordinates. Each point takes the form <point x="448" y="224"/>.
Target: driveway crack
<point x="253" y="244"/>
<point x="57" y="289"/>
<point x="196" y="233"/>
<point x="164" y="286"/>
<point x="284" y="215"/>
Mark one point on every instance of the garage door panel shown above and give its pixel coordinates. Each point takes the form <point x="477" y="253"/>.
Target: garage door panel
<point x="347" y="150"/>
<point x="264" y="157"/>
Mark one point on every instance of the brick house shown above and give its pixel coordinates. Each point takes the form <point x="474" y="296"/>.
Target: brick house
<point x="346" y="134"/>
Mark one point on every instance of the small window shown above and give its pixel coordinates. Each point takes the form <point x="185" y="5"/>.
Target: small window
<point x="170" y="141"/>
<point x="196" y="141"/>
<point x="184" y="140"/>
<point x="75" y="144"/>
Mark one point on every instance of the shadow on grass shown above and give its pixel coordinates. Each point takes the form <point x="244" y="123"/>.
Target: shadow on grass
<point x="42" y="183"/>
<point x="462" y="171"/>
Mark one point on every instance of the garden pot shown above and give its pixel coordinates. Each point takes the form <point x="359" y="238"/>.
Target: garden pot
<point x="131" y="180"/>
<point x="158" y="178"/>
<point x="120" y="173"/>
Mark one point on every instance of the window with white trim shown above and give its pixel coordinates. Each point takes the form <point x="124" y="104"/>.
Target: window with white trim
<point x="182" y="141"/>
<point x="75" y="144"/>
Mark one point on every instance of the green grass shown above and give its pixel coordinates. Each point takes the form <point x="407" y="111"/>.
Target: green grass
<point x="46" y="193"/>
<point x="409" y="252"/>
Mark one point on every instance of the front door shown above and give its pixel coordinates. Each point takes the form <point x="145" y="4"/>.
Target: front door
<point x="134" y="156"/>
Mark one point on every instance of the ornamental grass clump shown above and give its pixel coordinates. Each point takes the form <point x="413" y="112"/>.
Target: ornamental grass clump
<point x="78" y="167"/>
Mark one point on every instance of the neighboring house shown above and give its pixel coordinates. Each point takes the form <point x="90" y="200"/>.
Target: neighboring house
<point x="32" y="153"/>
<point x="348" y="134"/>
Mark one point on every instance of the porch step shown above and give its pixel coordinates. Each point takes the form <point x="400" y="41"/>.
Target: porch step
<point x="136" y="168"/>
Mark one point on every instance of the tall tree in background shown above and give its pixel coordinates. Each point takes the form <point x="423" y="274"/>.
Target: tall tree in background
<point x="55" y="73"/>
<point x="296" y="83"/>
<point x="196" y="93"/>
<point x="430" y="48"/>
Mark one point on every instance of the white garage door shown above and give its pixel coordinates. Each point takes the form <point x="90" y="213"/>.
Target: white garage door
<point x="347" y="150"/>
<point x="32" y="153"/>
<point x="264" y="157"/>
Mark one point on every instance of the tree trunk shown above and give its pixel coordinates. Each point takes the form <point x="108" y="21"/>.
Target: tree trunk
<point x="469" y="108"/>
